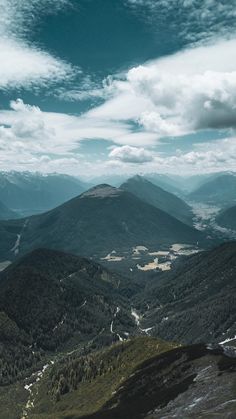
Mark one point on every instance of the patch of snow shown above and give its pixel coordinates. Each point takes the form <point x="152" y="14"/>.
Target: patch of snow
<point x="29" y="387"/>
<point x="195" y="402"/>
<point x="16" y="246"/>
<point x="120" y="338"/>
<point x="4" y="265"/>
<point x="227" y="340"/>
<point x="84" y="304"/>
<point x="136" y="316"/>
<point x="147" y="330"/>
<point x="165" y="319"/>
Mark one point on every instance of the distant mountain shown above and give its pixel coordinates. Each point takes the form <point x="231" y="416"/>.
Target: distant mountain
<point x="165" y="182"/>
<point x="189" y="183"/>
<point x="97" y="222"/>
<point x="154" y="195"/>
<point x="196" y="302"/>
<point x="220" y="191"/>
<point x="227" y="218"/>
<point x="29" y="192"/>
<point x="50" y="301"/>
<point x="6" y="213"/>
<point x="142" y="378"/>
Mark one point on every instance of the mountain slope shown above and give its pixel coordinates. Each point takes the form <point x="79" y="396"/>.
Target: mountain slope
<point x="48" y="299"/>
<point x="6" y="213"/>
<point x="159" y="198"/>
<point x="100" y="221"/>
<point x="140" y="378"/>
<point x="165" y="182"/>
<point x="90" y="380"/>
<point x="220" y="191"/>
<point x="197" y="301"/>
<point x="35" y="192"/>
<point x="227" y="218"/>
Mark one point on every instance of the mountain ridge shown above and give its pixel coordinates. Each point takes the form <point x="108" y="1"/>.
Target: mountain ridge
<point x="219" y="191"/>
<point x="159" y="198"/>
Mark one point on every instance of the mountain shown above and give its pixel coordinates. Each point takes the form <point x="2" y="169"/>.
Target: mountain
<point x="158" y="197"/>
<point x="136" y="379"/>
<point x="47" y="303"/>
<point x="165" y="182"/>
<point x="6" y="213"/>
<point x="97" y="222"/>
<point x="227" y="218"/>
<point x="189" y="183"/>
<point x="196" y="302"/>
<point x="71" y="348"/>
<point x="30" y="193"/>
<point x="220" y="191"/>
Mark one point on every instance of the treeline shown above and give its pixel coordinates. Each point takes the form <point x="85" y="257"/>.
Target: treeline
<point x="71" y="372"/>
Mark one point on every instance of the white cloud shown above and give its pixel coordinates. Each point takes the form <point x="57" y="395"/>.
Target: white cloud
<point x="18" y="16"/>
<point x="129" y="154"/>
<point x="190" y="21"/>
<point x="88" y="89"/>
<point x="209" y="157"/>
<point x="35" y="140"/>
<point x="22" y="64"/>
<point x="27" y="132"/>
<point x="188" y="91"/>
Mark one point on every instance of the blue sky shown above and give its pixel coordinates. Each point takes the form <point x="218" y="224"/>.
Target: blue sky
<point x="92" y="87"/>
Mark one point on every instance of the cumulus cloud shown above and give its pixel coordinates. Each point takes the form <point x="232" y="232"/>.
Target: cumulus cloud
<point x="129" y="154"/>
<point x="208" y="157"/>
<point x="35" y="140"/>
<point x="27" y="133"/>
<point x="185" y="103"/>
<point x="23" y="64"/>
<point x="188" y="91"/>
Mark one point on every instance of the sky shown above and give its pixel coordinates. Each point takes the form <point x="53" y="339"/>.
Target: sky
<point x="98" y="87"/>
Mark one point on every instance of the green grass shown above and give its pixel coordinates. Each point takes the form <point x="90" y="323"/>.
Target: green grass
<point x="13" y="398"/>
<point x="121" y="361"/>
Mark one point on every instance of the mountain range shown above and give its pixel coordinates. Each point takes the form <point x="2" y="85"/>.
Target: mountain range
<point x="80" y="341"/>
<point x="95" y="223"/>
<point x="29" y="193"/>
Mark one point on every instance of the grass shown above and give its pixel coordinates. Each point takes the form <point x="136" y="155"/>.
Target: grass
<point x="12" y="400"/>
<point x="122" y="358"/>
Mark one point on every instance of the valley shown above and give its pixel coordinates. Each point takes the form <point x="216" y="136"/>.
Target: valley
<point x="125" y="308"/>
<point x="90" y="327"/>
<point x="205" y="218"/>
